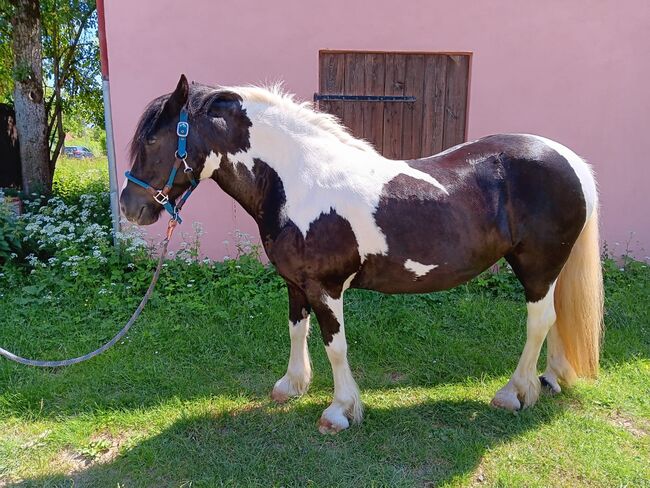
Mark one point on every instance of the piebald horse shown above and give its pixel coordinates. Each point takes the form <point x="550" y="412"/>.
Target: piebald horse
<point x="334" y="214"/>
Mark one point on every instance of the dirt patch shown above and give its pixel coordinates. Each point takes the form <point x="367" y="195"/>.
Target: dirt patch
<point x="428" y="472"/>
<point x="395" y="377"/>
<point x="101" y="449"/>
<point x="36" y="442"/>
<point x="73" y="462"/>
<point x="617" y="419"/>
<point x="478" y="477"/>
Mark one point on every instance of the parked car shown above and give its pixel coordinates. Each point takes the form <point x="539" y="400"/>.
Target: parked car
<point x="78" y="152"/>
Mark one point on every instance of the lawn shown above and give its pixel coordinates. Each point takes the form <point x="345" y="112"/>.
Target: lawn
<point x="184" y="400"/>
<point x="74" y="177"/>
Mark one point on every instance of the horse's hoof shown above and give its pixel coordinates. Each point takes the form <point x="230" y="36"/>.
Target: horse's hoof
<point x="279" y="396"/>
<point x="285" y="389"/>
<point x="332" y="421"/>
<point x="550" y="384"/>
<point x="326" y="426"/>
<point x="506" y="400"/>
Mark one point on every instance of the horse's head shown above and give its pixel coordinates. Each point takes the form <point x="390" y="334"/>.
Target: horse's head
<point x="217" y="123"/>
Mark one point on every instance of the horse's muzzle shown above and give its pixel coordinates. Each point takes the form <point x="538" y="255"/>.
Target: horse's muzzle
<point x="138" y="207"/>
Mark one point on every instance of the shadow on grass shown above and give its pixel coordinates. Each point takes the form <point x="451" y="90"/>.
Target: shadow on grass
<point x="430" y="442"/>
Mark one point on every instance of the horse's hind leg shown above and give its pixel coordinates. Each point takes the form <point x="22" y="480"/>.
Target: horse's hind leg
<point x="524" y="386"/>
<point x="557" y="364"/>
<point x="538" y="272"/>
<point x="296" y="381"/>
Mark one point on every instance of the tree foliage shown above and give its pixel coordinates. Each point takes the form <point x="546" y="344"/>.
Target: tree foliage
<point x="71" y="68"/>
<point x="71" y="61"/>
<point x="6" y="54"/>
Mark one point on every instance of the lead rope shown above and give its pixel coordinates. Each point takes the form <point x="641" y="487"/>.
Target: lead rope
<point x="67" y="362"/>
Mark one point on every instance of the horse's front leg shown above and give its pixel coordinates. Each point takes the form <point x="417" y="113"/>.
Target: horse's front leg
<point x="296" y="381"/>
<point x="346" y="405"/>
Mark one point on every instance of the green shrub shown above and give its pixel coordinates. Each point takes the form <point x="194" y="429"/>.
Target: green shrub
<point x="76" y="221"/>
<point x="9" y="241"/>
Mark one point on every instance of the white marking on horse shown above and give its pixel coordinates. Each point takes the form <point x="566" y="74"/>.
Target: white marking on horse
<point x="320" y="173"/>
<point x="336" y="304"/>
<point x="347" y="282"/>
<point x="211" y="164"/>
<point x="418" y="269"/>
<point x="582" y="170"/>
<point x="453" y="148"/>
<point x="242" y="157"/>
<point x="296" y="381"/>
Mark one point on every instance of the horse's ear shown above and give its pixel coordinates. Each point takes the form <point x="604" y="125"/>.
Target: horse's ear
<point x="178" y="98"/>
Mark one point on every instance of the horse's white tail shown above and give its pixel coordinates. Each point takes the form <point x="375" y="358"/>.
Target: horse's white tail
<point x="579" y="303"/>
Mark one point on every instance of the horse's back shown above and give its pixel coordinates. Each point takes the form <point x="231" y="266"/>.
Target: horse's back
<point x="533" y="176"/>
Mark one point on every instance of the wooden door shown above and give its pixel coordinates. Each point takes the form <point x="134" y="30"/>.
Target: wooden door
<point x="427" y="111"/>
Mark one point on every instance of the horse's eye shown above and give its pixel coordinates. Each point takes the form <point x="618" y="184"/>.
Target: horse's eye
<point x="151" y="140"/>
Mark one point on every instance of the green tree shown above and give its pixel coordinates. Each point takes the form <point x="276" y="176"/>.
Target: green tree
<point x="70" y="81"/>
<point x="71" y="61"/>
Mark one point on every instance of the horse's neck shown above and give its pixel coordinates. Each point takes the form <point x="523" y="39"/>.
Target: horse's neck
<point x="283" y="152"/>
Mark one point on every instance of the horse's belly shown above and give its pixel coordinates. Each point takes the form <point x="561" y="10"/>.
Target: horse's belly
<point x="390" y="275"/>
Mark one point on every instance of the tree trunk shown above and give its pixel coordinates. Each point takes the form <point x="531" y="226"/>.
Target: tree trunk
<point x="29" y="101"/>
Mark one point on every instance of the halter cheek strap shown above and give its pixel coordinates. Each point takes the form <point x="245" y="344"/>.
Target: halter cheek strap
<point x="162" y="196"/>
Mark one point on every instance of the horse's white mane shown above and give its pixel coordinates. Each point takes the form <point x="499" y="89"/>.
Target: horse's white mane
<point x="275" y="95"/>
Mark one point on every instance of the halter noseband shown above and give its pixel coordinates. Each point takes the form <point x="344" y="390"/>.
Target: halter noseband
<point x="162" y="196"/>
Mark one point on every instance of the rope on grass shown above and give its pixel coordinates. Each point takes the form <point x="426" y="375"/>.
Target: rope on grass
<point x="109" y="344"/>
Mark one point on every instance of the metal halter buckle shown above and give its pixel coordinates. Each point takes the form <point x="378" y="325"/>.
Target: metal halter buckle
<point x="161" y="198"/>
<point x="182" y="129"/>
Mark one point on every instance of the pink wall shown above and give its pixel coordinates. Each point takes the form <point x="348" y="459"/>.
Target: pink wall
<point x="576" y="72"/>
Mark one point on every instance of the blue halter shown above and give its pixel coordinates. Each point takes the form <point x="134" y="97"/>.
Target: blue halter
<point x="162" y="196"/>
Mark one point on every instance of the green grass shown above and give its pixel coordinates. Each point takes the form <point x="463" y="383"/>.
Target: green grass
<point x="74" y="177"/>
<point x="184" y="401"/>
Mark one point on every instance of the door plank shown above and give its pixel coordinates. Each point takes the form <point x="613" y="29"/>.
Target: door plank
<point x="394" y="85"/>
<point x="435" y="78"/>
<point x="456" y="100"/>
<point x="332" y="81"/>
<point x="412" y="111"/>
<point x="354" y="85"/>
<point x="373" y="113"/>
